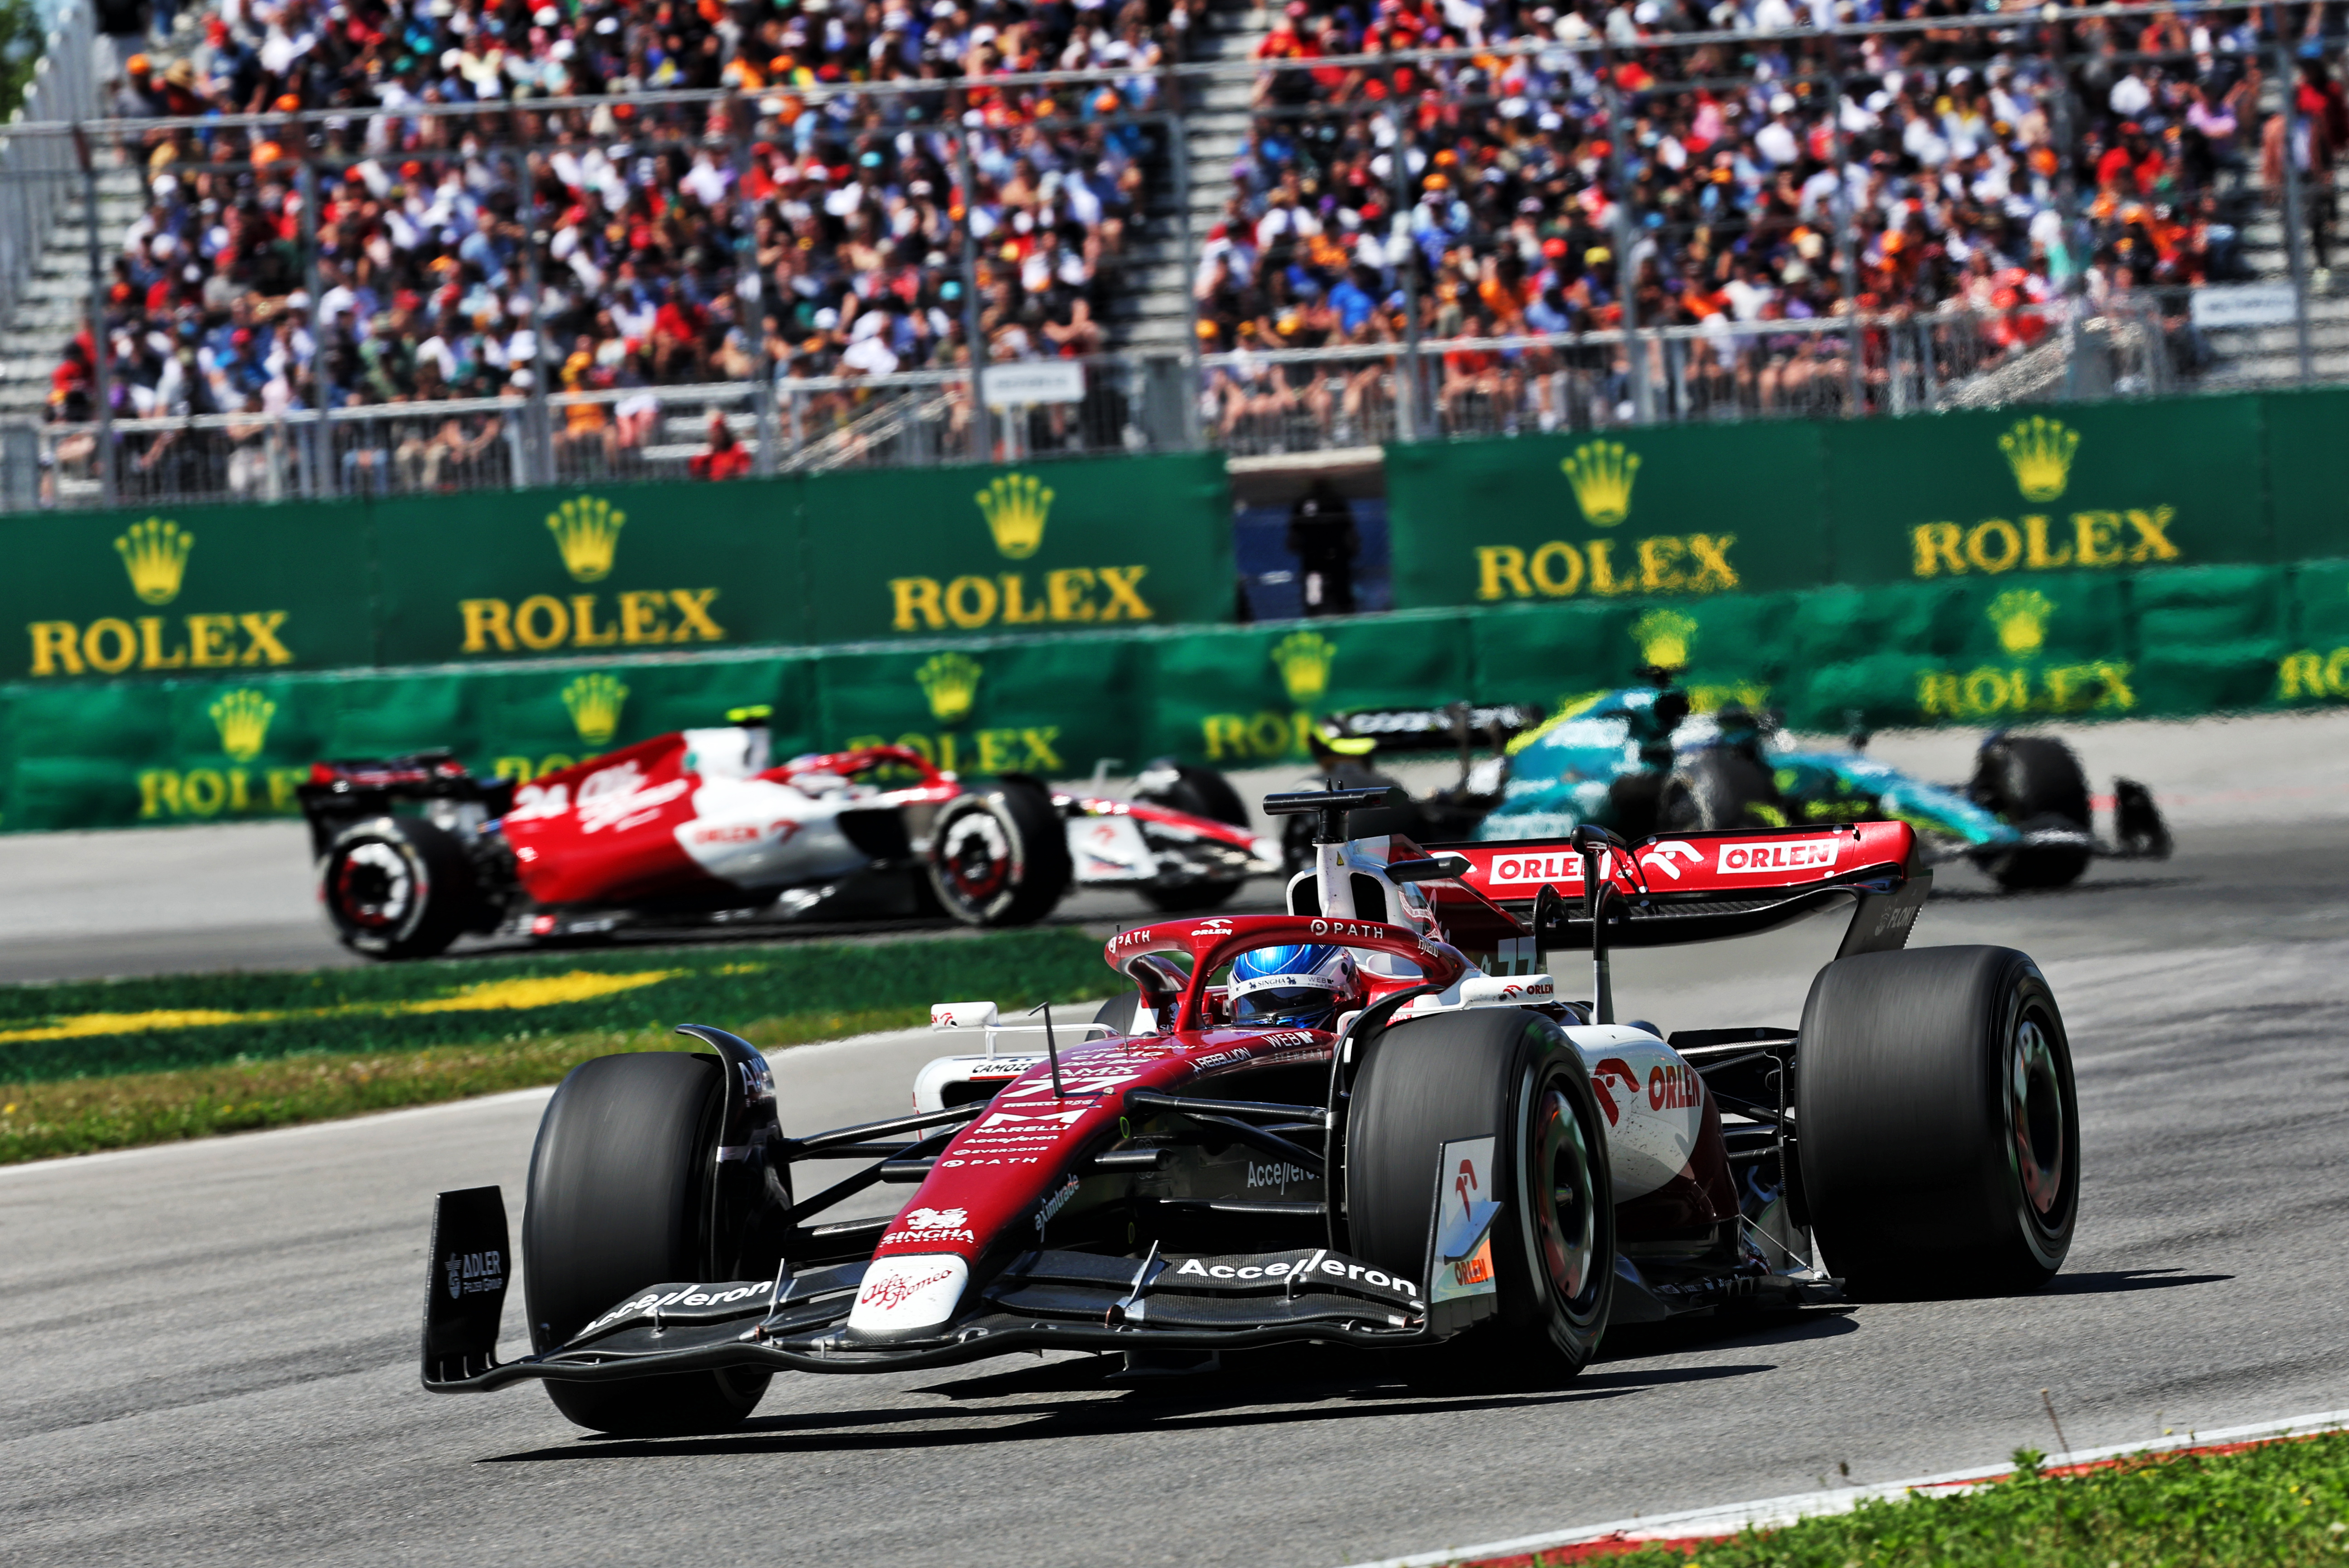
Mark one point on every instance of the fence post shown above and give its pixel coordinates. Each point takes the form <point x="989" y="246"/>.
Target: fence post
<point x="542" y="424"/>
<point x="2076" y="251"/>
<point x="974" y="345"/>
<point x="750" y="308"/>
<point x="1179" y="149"/>
<point x="1626" y="233"/>
<point x="1408" y="384"/>
<point x="101" y="341"/>
<point x="1846" y="223"/>
<point x="2294" y="229"/>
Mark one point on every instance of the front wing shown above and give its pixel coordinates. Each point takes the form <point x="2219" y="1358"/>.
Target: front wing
<point x="1045" y="1298"/>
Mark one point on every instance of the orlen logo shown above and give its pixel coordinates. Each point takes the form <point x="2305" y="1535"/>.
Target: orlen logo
<point x="1603" y="1082"/>
<point x="1540" y="986"/>
<point x="1672" y="1088"/>
<point x="1780" y="857"/>
<point x="1509" y="868"/>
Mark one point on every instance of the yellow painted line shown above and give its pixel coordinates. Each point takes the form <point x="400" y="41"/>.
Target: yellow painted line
<point x="487" y="996"/>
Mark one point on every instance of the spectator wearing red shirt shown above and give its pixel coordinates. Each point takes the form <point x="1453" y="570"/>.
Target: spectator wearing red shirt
<point x="726" y="458"/>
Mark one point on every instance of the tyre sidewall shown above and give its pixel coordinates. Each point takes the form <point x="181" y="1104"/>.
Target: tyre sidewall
<point x="1015" y="826"/>
<point x="438" y="885"/>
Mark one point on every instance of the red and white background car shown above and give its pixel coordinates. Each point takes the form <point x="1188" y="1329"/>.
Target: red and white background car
<point x="694" y="826"/>
<point x="1468" y="1154"/>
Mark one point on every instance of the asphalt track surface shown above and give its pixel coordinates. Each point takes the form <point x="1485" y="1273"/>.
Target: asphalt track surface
<point x="212" y="1346"/>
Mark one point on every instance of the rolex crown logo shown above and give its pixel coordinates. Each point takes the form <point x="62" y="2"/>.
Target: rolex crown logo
<point x="950" y="680"/>
<point x="1664" y="637"/>
<point x="587" y="532"/>
<point x="595" y="702"/>
<point x="1016" y="505"/>
<point x="1601" y="472"/>
<point x="243" y="717"/>
<point x="156" y="552"/>
<point x="2021" y="616"/>
<point x="1303" y="659"/>
<point x="2040" y="452"/>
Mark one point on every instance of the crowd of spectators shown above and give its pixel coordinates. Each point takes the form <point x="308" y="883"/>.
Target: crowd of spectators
<point x="1722" y="186"/>
<point x="625" y="244"/>
<point x="1527" y="184"/>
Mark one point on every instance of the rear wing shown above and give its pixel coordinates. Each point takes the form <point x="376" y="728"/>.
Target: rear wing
<point x="1462" y="726"/>
<point x="1703" y="887"/>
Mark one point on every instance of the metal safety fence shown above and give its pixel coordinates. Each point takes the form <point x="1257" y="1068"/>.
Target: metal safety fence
<point x="1568" y="230"/>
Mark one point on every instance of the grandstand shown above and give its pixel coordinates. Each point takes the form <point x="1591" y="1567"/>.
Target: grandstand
<point x="1323" y="226"/>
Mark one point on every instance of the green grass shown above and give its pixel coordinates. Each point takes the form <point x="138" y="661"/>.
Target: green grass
<point x="113" y="1063"/>
<point x="2277" y="1505"/>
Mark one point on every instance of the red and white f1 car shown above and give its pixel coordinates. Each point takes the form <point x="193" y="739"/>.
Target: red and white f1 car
<point x="1462" y="1153"/>
<point x="694" y="827"/>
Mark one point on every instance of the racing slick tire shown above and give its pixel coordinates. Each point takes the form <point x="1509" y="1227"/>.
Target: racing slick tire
<point x="2034" y="781"/>
<point x="1199" y="792"/>
<point x="617" y="1200"/>
<point x="1719" y="788"/>
<point x="999" y="857"/>
<point x="1937" y="1126"/>
<point x="1512" y="1077"/>
<point x="398" y="887"/>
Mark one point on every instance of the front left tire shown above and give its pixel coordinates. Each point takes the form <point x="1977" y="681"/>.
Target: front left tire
<point x="999" y="857"/>
<point x="1512" y="1077"/>
<point x="618" y="1199"/>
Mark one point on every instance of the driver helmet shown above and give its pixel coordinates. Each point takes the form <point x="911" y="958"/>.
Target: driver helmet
<point x="1304" y="987"/>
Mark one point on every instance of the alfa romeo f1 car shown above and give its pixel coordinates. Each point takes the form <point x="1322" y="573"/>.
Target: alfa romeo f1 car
<point x="695" y="827"/>
<point x="1373" y="1121"/>
<point x="1637" y="760"/>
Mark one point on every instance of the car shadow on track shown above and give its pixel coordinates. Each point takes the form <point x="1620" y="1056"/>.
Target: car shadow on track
<point x="2076" y="889"/>
<point x="2111" y="1281"/>
<point x="1318" y="1385"/>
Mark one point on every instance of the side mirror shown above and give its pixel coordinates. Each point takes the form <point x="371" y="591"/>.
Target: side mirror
<point x="1435" y="867"/>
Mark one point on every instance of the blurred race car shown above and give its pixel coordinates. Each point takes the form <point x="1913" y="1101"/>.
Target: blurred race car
<point x="695" y="827"/>
<point x="1374" y="1121"/>
<point x="1638" y="760"/>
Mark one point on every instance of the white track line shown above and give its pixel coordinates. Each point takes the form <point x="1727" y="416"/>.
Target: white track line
<point x="1771" y="1513"/>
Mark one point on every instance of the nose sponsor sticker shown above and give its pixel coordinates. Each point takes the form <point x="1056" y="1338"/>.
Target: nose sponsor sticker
<point x="907" y="1294"/>
<point x="1780" y="857"/>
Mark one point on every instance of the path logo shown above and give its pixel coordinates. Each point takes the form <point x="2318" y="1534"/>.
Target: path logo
<point x="587" y="532"/>
<point x="950" y="680"/>
<point x="2021" y="616"/>
<point x="595" y="702"/>
<point x="243" y="717"/>
<point x="2040" y="451"/>
<point x="1016" y="506"/>
<point x="155" y="553"/>
<point x="1303" y="659"/>
<point x="1664" y="637"/>
<point x="1601" y="472"/>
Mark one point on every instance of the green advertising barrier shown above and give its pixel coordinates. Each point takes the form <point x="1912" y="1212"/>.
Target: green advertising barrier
<point x="1681" y="510"/>
<point x="2093" y="490"/>
<point x="1984" y="652"/>
<point x="1139" y="541"/>
<point x="619" y="570"/>
<point x="135" y="593"/>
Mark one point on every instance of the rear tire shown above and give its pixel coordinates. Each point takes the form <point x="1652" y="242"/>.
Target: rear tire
<point x="1199" y="792"/>
<point x="1937" y="1121"/>
<point x="619" y="1199"/>
<point x="1000" y="857"/>
<point x="2033" y="781"/>
<point x="1512" y="1077"/>
<point x="398" y="887"/>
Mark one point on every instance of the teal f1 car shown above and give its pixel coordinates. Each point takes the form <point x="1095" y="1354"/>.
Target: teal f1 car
<point x="1638" y="760"/>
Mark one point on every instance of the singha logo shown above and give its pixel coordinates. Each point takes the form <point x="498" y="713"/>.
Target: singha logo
<point x="1303" y="659"/>
<point x="156" y="554"/>
<point x="1664" y="637"/>
<point x="595" y="702"/>
<point x="2040" y="452"/>
<point x="2021" y="616"/>
<point x="1016" y="505"/>
<point x="950" y="680"/>
<point x="243" y="717"/>
<point x="1601" y="472"/>
<point x="587" y="532"/>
